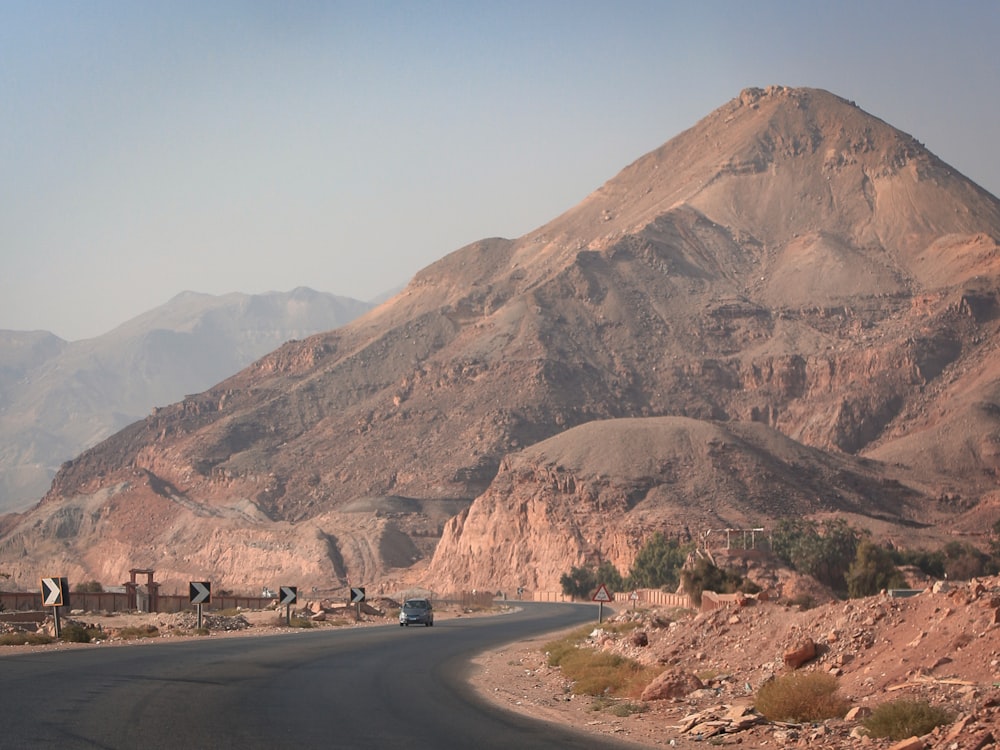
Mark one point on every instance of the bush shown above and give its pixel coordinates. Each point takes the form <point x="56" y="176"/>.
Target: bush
<point x="801" y="696"/>
<point x="898" y="720"/>
<point x="73" y="633"/>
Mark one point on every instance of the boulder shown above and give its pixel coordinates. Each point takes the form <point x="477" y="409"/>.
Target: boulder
<point x="639" y="638"/>
<point x="673" y="683"/>
<point x="800" y="653"/>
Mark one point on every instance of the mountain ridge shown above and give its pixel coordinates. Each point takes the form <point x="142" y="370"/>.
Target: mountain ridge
<point x="790" y="261"/>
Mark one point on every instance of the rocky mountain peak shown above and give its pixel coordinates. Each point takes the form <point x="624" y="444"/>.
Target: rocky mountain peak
<point x="790" y="262"/>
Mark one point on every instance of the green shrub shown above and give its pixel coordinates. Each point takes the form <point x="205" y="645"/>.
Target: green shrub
<point x="898" y="720"/>
<point x="801" y="696"/>
<point x="73" y="633"/>
<point x="301" y="622"/>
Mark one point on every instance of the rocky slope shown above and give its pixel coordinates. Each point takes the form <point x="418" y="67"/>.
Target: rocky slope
<point x="790" y="261"/>
<point x="939" y="646"/>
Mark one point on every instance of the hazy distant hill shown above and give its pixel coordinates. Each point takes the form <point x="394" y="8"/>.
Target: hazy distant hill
<point x="58" y="398"/>
<point x="791" y="308"/>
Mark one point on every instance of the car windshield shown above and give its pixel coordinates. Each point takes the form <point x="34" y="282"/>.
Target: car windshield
<point x="417" y="604"/>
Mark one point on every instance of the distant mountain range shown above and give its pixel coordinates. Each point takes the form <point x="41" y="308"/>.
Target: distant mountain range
<point x="58" y="398"/>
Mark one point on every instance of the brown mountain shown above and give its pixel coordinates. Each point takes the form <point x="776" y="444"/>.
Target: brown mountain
<point x="803" y="297"/>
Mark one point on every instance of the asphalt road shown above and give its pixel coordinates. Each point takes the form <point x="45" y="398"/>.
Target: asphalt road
<point x="376" y="687"/>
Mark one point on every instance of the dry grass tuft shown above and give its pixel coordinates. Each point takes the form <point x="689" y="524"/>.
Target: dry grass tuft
<point x="597" y="672"/>
<point x="801" y="696"/>
<point x="898" y="720"/>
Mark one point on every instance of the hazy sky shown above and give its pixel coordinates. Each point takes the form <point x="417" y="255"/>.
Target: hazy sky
<point x="147" y="148"/>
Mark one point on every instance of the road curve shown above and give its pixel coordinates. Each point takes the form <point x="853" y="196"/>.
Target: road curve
<point x="375" y="687"/>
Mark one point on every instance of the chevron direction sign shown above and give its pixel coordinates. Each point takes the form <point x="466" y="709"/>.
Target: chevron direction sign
<point x="287" y="595"/>
<point x="200" y="592"/>
<point x="357" y="595"/>
<point x="54" y="592"/>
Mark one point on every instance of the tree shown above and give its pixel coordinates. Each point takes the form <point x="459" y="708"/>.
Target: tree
<point x="963" y="561"/>
<point x="608" y="574"/>
<point x="88" y="587"/>
<point x="578" y="583"/>
<point x="705" y="576"/>
<point x="872" y="571"/>
<point x="824" y="552"/>
<point x="658" y="563"/>
<point x="581" y="582"/>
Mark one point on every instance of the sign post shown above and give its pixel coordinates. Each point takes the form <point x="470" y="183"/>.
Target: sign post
<point x="601" y="596"/>
<point x="357" y="596"/>
<point x="55" y="594"/>
<point x="198" y="593"/>
<point x="288" y="595"/>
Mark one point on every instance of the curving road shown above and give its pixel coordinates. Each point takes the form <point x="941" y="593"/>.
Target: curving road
<point x="376" y="687"/>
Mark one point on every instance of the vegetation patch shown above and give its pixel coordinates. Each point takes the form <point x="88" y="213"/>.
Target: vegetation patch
<point x="300" y="622"/>
<point x="898" y="720"/>
<point x="21" y="638"/>
<point x="597" y="672"/>
<point x="133" y="632"/>
<point x="620" y="708"/>
<point x="801" y="696"/>
<point x="76" y="633"/>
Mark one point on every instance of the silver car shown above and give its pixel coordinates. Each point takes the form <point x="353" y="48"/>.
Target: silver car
<point x="416" y="612"/>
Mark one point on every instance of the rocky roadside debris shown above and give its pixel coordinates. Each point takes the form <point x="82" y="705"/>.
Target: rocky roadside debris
<point x="128" y="627"/>
<point x="941" y="646"/>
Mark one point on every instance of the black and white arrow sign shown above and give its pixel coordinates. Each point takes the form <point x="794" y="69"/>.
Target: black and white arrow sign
<point x="200" y="592"/>
<point x="357" y="595"/>
<point x="52" y="592"/>
<point x="287" y="595"/>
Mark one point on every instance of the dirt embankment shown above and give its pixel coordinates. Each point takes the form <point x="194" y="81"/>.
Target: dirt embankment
<point x="940" y="647"/>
